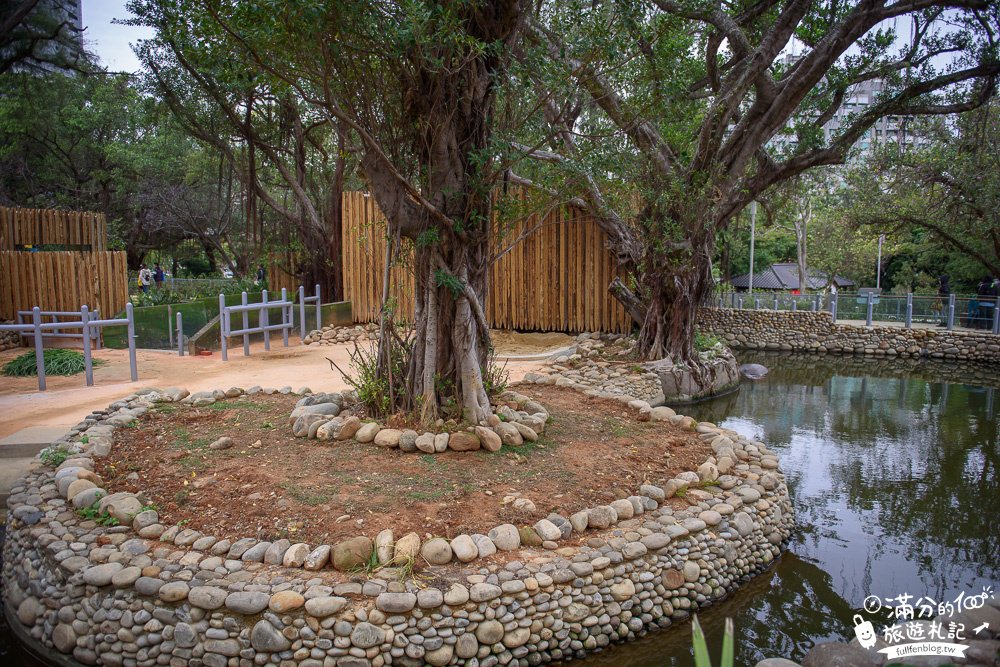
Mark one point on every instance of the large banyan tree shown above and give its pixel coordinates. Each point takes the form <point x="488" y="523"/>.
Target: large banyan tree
<point x="665" y="118"/>
<point x="413" y="88"/>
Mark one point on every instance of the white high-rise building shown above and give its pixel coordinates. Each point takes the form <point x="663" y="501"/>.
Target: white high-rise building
<point x="57" y="27"/>
<point x="888" y="129"/>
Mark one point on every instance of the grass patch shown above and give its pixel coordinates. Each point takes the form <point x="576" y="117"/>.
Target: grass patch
<point x="426" y="494"/>
<point x="617" y="427"/>
<point x="57" y="362"/>
<point x="238" y="404"/>
<point x="192" y="462"/>
<point x="305" y="495"/>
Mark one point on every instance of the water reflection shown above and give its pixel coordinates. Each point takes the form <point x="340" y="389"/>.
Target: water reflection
<point x="894" y="478"/>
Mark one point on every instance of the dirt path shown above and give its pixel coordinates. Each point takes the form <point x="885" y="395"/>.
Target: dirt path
<point x="68" y="399"/>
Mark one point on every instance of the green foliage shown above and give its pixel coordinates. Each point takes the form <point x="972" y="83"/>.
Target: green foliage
<point x="704" y="342"/>
<point x="100" y="518"/>
<point x="700" y="647"/>
<point x="938" y="202"/>
<point x="380" y="390"/>
<point x="495" y="375"/>
<point x="449" y="281"/>
<point x="57" y="362"/>
<point x="54" y="456"/>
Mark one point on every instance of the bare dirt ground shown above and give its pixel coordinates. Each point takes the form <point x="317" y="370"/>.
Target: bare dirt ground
<point x="592" y="452"/>
<point x="68" y="399"/>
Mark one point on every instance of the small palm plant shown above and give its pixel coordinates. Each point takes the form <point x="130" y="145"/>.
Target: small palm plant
<point x="701" y="657"/>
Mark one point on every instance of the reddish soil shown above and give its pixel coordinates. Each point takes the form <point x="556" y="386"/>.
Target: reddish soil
<point x="592" y="452"/>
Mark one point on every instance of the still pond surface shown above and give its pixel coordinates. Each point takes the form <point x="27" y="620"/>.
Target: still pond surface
<point x="894" y="477"/>
<point x="893" y="472"/>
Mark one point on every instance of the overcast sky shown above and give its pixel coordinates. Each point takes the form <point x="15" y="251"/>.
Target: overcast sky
<point x="110" y="41"/>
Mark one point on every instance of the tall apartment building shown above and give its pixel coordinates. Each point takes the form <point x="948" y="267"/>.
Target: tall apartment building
<point x="889" y="129"/>
<point x="50" y="54"/>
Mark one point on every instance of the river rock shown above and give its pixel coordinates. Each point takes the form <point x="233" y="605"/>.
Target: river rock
<point x="505" y="537"/>
<point x="488" y="438"/>
<point x="351" y="554"/>
<point x="265" y="638"/>
<point x="436" y="551"/>
<point x="464" y="548"/>
<point x="463" y="441"/>
<point x="367" y="432"/>
<point x="388" y="437"/>
<point x="406" y="549"/>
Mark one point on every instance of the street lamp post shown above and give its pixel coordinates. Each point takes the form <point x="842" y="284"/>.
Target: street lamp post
<point x="878" y="268"/>
<point x="753" y="226"/>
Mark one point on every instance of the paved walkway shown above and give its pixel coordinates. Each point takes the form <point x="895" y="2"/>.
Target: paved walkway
<point x="902" y="325"/>
<point x="68" y="399"/>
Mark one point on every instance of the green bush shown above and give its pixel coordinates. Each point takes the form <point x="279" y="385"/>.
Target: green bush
<point x="57" y="362"/>
<point x="704" y="342"/>
<point x="53" y="456"/>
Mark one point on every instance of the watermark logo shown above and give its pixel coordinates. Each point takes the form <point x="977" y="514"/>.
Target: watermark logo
<point x="906" y="634"/>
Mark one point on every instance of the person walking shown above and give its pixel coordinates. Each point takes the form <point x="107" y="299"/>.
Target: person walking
<point x="944" y="294"/>
<point x="261" y="277"/>
<point x="158" y="275"/>
<point x="145" y="278"/>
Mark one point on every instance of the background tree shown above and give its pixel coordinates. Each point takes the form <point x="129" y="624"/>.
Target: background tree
<point x="95" y="143"/>
<point x="661" y="116"/>
<point x="944" y="191"/>
<point x="281" y="152"/>
<point x="413" y="89"/>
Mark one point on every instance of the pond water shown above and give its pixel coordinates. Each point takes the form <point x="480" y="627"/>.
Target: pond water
<point x="895" y="483"/>
<point x="894" y="478"/>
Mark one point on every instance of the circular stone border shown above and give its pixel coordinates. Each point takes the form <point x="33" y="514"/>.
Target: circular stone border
<point x="318" y="416"/>
<point x="144" y="591"/>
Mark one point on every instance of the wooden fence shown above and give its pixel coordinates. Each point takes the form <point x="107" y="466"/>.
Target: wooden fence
<point x="77" y="230"/>
<point x="555" y="278"/>
<point x="62" y="281"/>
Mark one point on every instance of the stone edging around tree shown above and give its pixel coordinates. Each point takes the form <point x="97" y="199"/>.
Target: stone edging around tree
<point x="105" y="595"/>
<point x="319" y="416"/>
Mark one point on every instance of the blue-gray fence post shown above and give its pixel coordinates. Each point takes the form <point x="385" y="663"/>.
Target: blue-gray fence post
<point x="833" y="307"/>
<point x="264" y="319"/>
<point x="36" y="319"/>
<point x="180" y="334"/>
<point x="815" y="302"/>
<point x="285" y="316"/>
<point x="868" y="316"/>
<point x="222" y="327"/>
<point x="740" y="304"/>
<point x="319" y="309"/>
<point x="951" y="312"/>
<point x="756" y="304"/>
<point x="776" y="302"/>
<point x="795" y="304"/>
<point x="996" y="316"/>
<point x="170" y="329"/>
<point x="302" y="311"/>
<point x="131" y="342"/>
<point x="246" y="325"/>
<point x="909" y="310"/>
<point x="88" y="362"/>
